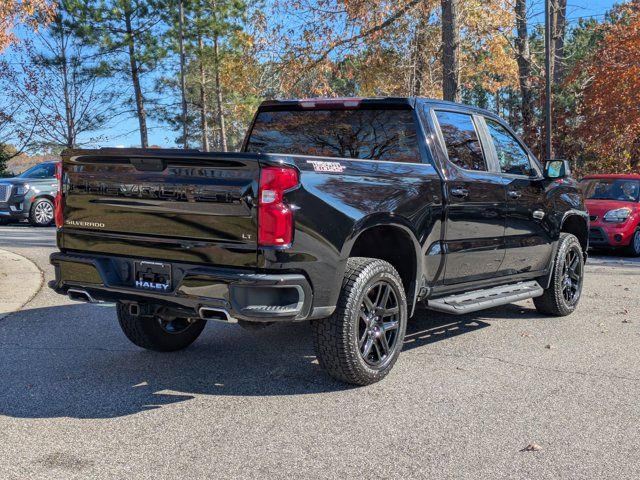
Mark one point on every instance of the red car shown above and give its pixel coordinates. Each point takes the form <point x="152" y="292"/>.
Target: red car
<point x="613" y="202"/>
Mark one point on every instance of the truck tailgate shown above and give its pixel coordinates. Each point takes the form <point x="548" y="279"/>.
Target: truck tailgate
<point x="187" y="206"/>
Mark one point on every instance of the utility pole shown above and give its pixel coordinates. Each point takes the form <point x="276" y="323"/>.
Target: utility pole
<point x="547" y="68"/>
<point x="183" y="84"/>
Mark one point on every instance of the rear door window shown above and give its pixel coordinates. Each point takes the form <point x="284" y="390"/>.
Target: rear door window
<point x="513" y="159"/>
<point x="461" y="139"/>
<point x="388" y="135"/>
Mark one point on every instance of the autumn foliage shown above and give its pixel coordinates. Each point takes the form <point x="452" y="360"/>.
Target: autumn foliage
<point x="28" y="12"/>
<point x="610" y="107"/>
<point x="126" y="54"/>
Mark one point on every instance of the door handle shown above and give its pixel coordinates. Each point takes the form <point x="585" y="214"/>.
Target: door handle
<point x="460" y="192"/>
<point x="514" y="194"/>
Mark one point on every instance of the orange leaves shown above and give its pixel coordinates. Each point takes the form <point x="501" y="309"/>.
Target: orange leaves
<point x="611" y="126"/>
<point x="487" y="55"/>
<point x="384" y="47"/>
<point x="29" y="12"/>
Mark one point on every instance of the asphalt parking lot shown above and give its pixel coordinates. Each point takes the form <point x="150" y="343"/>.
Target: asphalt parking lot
<point x="468" y="394"/>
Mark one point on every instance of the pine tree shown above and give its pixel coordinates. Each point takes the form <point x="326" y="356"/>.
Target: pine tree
<point x="127" y="34"/>
<point x="210" y="35"/>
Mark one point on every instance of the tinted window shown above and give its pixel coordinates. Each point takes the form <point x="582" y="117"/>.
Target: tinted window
<point x="461" y="139"/>
<point x="366" y="134"/>
<point x="611" y="189"/>
<point x="512" y="157"/>
<point x="44" y="170"/>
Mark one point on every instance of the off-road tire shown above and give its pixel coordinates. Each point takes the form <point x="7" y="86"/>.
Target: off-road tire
<point x="336" y="337"/>
<point x="33" y="217"/>
<point x="633" y="249"/>
<point x="146" y="332"/>
<point x="553" y="301"/>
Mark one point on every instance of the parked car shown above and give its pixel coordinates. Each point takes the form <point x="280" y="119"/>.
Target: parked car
<point x="613" y="202"/>
<point x="345" y="212"/>
<point x="30" y="195"/>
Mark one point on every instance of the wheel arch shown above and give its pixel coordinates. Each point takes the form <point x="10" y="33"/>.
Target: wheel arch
<point x="39" y="196"/>
<point x="392" y="240"/>
<point x="577" y="224"/>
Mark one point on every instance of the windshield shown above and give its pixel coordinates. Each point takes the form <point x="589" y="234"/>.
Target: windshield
<point x="366" y="134"/>
<point x="44" y="170"/>
<point x="611" y="189"/>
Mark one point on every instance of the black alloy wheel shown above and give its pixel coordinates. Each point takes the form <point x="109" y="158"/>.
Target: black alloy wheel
<point x="562" y="295"/>
<point x="378" y="324"/>
<point x="362" y="340"/>
<point x="572" y="279"/>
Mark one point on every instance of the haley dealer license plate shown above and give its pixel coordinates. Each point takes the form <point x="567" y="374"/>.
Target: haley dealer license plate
<point x="153" y="276"/>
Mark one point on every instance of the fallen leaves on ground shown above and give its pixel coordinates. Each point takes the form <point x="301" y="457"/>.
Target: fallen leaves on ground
<point x="532" y="447"/>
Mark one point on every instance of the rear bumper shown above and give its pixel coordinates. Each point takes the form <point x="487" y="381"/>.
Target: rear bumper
<point x="243" y="294"/>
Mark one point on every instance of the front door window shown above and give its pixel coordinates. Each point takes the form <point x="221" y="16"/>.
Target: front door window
<point x="513" y="159"/>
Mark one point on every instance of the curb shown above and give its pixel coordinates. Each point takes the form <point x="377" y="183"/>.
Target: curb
<point x="20" y="281"/>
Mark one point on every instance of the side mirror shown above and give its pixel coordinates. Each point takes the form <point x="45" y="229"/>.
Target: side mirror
<point x="557" y="169"/>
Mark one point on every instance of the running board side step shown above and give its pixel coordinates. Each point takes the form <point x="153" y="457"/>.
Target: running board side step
<point x="486" y="298"/>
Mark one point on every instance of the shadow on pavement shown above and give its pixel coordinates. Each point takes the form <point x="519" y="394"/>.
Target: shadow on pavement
<point x="73" y="361"/>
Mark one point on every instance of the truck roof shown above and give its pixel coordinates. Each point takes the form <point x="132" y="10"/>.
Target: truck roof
<point x="338" y="103"/>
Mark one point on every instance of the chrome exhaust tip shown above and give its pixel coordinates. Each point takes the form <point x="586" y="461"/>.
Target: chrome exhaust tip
<point x="80" y="295"/>
<point x="217" y="314"/>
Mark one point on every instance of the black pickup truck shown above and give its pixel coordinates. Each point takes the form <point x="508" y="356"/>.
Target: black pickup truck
<point x="345" y="212"/>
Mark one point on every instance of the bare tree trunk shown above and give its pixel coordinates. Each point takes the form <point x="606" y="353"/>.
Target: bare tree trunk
<point x="70" y="140"/>
<point x="450" y="51"/>
<point x="524" y="69"/>
<point x="223" y="132"/>
<point x="135" y="79"/>
<point x="509" y="102"/>
<point x="204" y="121"/>
<point x="559" y="33"/>
<point x="183" y="81"/>
<point x="418" y="61"/>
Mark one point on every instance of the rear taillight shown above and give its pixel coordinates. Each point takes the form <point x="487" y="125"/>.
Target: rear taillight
<point x="59" y="202"/>
<point x="275" y="216"/>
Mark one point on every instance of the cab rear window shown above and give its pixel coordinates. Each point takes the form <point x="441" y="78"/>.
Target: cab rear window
<point x="388" y="135"/>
